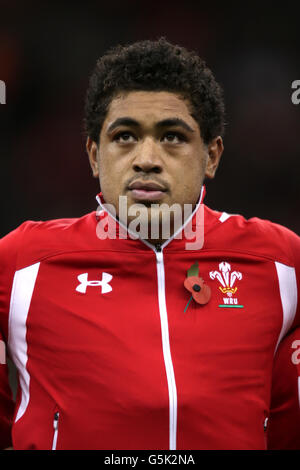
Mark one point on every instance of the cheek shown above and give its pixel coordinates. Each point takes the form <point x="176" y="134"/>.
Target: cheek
<point x="111" y="178"/>
<point x="188" y="183"/>
<point x="190" y="172"/>
<point x="106" y="166"/>
<point x="112" y="162"/>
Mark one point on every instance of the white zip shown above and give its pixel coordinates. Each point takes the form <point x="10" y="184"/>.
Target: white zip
<point x="55" y="427"/>
<point x="164" y="320"/>
<point x="166" y="350"/>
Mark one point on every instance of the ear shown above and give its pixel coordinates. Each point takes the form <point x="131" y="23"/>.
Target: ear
<point x="214" y="150"/>
<point x="92" y="150"/>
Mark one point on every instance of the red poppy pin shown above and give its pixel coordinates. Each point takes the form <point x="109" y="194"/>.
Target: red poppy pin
<point x="196" y="285"/>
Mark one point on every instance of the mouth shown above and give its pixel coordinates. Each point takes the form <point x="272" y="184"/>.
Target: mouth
<point x="149" y="191"/>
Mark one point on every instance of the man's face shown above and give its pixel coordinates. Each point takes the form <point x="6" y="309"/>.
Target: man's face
<point x="151" y="151"/>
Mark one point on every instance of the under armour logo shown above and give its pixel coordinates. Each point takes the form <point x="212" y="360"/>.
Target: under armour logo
<point x="104" y="283"/>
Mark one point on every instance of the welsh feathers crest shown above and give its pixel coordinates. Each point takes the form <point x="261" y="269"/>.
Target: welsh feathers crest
<point x="226" y="278"/>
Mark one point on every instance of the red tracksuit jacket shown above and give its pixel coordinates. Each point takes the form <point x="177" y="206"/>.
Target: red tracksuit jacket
<point x="108" y="355"/>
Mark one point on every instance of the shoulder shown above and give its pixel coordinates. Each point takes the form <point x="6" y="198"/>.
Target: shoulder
<point x="260" y="236"/>
<point x="35" y="240"/>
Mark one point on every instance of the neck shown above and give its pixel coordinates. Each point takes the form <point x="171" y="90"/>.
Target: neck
<point x="159" y="231"/>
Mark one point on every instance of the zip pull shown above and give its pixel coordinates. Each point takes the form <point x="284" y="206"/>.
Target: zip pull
<point x="55" y="427"/>
<point x="158" y="253"/>
<point x="56" y="418"/>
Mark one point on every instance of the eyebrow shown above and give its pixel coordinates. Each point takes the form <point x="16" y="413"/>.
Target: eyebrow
<point x="170" y="122"/>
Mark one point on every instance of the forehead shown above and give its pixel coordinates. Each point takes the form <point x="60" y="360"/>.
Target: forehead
<point x="149" y="106"/>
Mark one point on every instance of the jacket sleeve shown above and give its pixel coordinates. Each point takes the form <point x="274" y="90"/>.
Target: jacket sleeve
<point x="6" y="401"/>
<point x="9" y="246"/>
<point x="284" y="420"/>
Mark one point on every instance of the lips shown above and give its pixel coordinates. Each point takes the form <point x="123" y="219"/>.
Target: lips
<point x="150" y="190"/>
<point x="146" y="186"/>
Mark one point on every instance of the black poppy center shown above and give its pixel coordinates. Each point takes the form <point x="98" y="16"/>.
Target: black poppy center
<point x="196" y="287"/>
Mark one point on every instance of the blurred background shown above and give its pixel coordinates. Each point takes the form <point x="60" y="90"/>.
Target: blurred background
<point x="48" y="51"/>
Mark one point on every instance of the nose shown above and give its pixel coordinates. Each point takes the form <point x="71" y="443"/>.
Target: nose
<point x="148" y="157"/>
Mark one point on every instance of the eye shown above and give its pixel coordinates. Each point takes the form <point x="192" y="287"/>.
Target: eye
<point x="174" y="137"/>
<point x="124" y="137"/>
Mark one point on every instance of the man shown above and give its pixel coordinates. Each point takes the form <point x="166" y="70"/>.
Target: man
<point x="129" y="337"/>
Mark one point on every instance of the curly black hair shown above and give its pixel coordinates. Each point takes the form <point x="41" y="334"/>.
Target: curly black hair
<point x="155" y="66"/>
